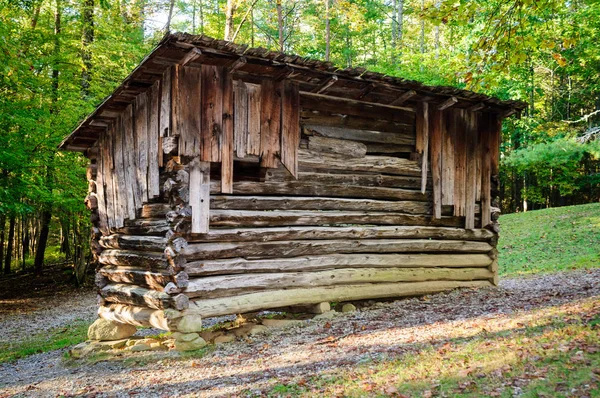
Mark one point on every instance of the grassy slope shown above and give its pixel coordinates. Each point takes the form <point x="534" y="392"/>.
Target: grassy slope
<point x="49" y="340"/>
<point x="550" y="240"/>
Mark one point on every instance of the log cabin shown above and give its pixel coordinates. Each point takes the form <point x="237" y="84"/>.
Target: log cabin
<point x="225" y="179"/>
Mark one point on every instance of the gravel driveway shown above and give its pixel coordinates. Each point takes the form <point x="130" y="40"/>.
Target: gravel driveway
<point x="283" y="354"/>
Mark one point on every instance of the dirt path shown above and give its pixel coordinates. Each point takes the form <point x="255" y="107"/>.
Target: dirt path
<point x="382" y="331"/>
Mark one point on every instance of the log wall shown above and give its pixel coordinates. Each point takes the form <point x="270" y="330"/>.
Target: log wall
<point x="214" y="195"/>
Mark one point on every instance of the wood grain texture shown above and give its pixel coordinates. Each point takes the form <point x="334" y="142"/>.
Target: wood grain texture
<point x="282" y="249"/>
<point x="164" y="129"/>
<point x="230" y="285"/>
<point x="364" y="135"/>
<point x="200" y="195"/>
<point x="129" y="161"/>
<point x="141" y="145"/>
<point x="134" y="295"/>
<point x="333" y="119"/>
<point x="100" y="189"/>
<point x="187" y="110"/>
<point x="460" y="162"/>
<point x="348" y="148"/>
<point x="227" y="144"/>
<point x="254" y="118"/>
<point x="153" y="138"/>
<point x="141" y="316"/>
<point x="485" y="136"/>
<point x="471" y="170"/>
<point x="309" y="233"/>
<point x="233" y="266"/>
<point x="240" y="118"/>
<point x="270" y="123"/>
<point x="211" y="110"/>
<point x="435" y="145"/>
<point x="270" y="299"/>
<point x="290" y="127"/>
<point x="369" y="163"/>
<point x="448" y="138"/>
<point x="305" y="188"/>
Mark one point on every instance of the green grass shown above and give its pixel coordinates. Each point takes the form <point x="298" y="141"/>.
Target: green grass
<point x="550" y="240"/>
<point x="546" y="352"/>
<point x="49" y="340"/>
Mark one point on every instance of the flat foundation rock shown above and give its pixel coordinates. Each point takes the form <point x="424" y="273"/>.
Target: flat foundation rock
<point x="195" y="344"/>
<point x="105" y="330"/>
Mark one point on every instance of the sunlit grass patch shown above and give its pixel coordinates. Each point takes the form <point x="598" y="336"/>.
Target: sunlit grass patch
<point x="49" y="340"/>
<point x="548" y="352"/>
<point x="550" y="240"/>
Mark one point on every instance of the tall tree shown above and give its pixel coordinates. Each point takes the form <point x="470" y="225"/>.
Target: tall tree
<point x="229" y="14"/>
<point x="86" y="42"/>
<point x="327" y="31"/>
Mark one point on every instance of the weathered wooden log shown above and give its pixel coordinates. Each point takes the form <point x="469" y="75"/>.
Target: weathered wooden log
<point x="317" y="118"/>
<point x="305" y="188"/>
<point x="135" y="276"/>
<point x="389" y="148"/>
<point x="242" y="218"/>
<point x="370" y="180"/>
<point x="360" y="135"/>
<point x="369" y="163"/>
<point x="149" y="261"/>
<point x="231" y="285"/>
<point x="313" y="263"/>
<point x="129" y="242"/>
<point x="219" y="202"/>
<point x="355" y="232"/>
<point x="208" y="251"/>
<point x="356" y="108"/>
<point x="352" y="149"/>
<point x="144" y="227"/>
<point x="227" y="202"/>
<point x="139" y="316"/>
<point x="270" y="299"/>
<point x="139" y="296"/>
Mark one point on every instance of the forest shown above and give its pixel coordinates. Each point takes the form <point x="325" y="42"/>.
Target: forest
<point x="60" y="58"/>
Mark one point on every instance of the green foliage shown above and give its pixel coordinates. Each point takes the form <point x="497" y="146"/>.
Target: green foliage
<point x="550" y="240"/>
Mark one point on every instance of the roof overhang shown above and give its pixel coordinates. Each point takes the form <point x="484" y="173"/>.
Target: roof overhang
<point x="256" y="64"/>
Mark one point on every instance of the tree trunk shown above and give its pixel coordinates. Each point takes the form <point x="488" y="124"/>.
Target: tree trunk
<point x="327" y="31"/>
<point x="25" y="241"/>
<point x="9" y="246"/>
<point x="2" y="227"/>
<point x="229" y="13"/>
<point x="168" y="25"/>
<point x="42" y="241"/>
<point x="280" y="24"/>
<point x="400" y="23"/>
<point x="87" y="39"/>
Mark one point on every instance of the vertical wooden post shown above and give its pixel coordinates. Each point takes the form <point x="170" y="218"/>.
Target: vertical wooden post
<point x="270" y="123"/>
<point x="460" y="161"/>
<point x="200" y="195"/>
<point x="448" y="135"/>
<point x="435" y="145"/>
<point x="423" y="141"/>
<point x="471" y="175"/>
<point x="240" y="130"/>
<point x="211" y="110"/>
<point x="290" y="127"/>
<point x="227" y="143"/>
<point x="485" y="135"/>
